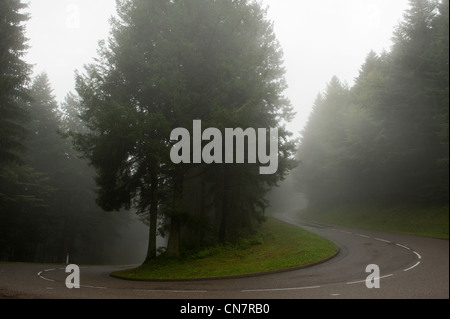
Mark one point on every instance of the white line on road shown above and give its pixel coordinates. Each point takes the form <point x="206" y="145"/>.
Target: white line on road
<point x="403" y="246"/>
<point x="416" y="264"/>
<point x="42" y="277"/>
<point x="280" y="289"/>
<point x="383" y="240"/>
<point x="420" y="257"/>
<point x="361" y="281"/>
<point x="171" y="291"/>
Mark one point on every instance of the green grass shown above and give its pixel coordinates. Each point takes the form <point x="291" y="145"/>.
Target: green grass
<point x="277" y="246"/>
<point x="422" y="221"/>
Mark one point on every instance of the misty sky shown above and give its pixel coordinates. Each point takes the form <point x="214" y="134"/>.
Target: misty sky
<point x="319" y="38"/>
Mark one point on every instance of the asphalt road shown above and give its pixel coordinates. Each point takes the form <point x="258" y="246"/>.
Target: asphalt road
<point x="411" y="267"/>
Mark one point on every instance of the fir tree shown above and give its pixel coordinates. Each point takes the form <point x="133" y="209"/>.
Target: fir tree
<point x="167" y="64"/>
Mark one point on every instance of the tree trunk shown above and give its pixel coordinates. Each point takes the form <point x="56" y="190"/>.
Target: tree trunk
<point x="224" y="217"/>
<point x="153" y="212"/>
<point x="173" y="246"/>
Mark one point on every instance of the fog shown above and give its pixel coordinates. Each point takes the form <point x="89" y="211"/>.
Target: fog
<point x="286" y="198"/>
<point x="370" y="120"/>
<point x="320" y="39"/>
<point x="130" y="247"/>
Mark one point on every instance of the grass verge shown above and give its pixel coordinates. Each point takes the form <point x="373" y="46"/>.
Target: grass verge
<point x="277" y="246"/>
<point x="422" y="221"/>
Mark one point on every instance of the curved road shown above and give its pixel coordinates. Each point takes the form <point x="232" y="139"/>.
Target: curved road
<point x="410" y="267"/>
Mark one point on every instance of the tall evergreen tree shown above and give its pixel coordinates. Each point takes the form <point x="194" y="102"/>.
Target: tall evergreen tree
<point x="410" y="123"/>
<point x="21" y="190"/>
<point x="14" y="75"/>
<point x="167" y="64"/>
<point x="438" y="89"/>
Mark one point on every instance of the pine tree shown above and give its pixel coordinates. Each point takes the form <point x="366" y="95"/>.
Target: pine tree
<point x="169" y="63"/>
<point x="14" y="74"/>
<point x="410" y="124"/>
<point x="22" y="194"/>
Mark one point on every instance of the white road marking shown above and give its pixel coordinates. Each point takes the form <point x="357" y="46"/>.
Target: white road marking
<point x="361" y="281"/>
<point x="383" y="240"/>
<point x="364" y="236"/>
<point x="420" y="257"/>
<point x="416" y="264"/>
<point x="280" y="289"/>
<point x="171" y="291"/>
<point x="403" y="246"/>
<point x="42" y="277"/>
